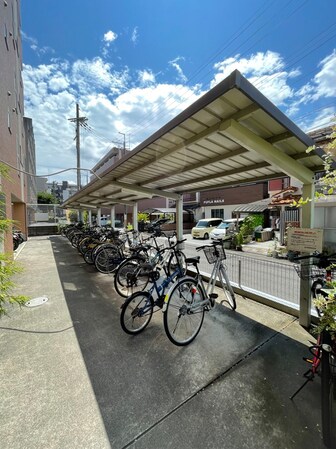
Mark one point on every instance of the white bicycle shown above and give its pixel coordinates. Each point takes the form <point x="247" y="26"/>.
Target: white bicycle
<point x="188" y="299"/>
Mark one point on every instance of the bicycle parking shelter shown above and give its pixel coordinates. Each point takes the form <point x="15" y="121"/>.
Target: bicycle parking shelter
<point x="231" y="136"/>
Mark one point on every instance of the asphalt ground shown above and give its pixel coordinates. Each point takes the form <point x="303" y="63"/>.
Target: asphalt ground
<point x="71" y="378"/>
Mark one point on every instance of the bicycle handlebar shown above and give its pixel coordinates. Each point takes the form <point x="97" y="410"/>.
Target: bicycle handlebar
<point x="214" y="243"/>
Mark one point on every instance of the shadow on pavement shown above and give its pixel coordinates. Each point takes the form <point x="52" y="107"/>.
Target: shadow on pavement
<point x="230" y="388"/>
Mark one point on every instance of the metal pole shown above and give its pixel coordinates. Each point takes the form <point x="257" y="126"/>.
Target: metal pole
<point x="78" y="148"/>
<point x="79" y="120"/>
<point x="123" y="134"/>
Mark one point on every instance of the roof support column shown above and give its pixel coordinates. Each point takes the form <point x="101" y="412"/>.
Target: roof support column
<point x="99" y="216"/>
<point x="135" y="216"/>
<point x="112" y="213"/>
<point x="90" y="217"/>
<point x="307" y="221"/>
<point x="179" y="218"/>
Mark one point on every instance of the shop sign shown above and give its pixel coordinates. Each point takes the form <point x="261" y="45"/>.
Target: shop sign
<point x="208" y="202"/>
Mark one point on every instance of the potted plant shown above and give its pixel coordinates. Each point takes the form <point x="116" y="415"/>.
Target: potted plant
<point x="238" y="241"/>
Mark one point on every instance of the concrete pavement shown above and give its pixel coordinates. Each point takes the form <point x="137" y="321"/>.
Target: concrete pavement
<point x="72" y="379"/>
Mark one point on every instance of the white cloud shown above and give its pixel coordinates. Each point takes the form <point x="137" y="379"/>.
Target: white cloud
<point x="146" y="77"/>
<point x="135" y="103"/>
<point x="106" y="98"/>
<point x="326" y="79"/>
<point x="109" y="37"/>
<point x="323" y="84"/>
<point x="264" y="70"/>
<point x="135" y="35"/>
<point x="33" y="43"/>
<point x="96" y="74"/>
<point x="175" y="63"/>
<point x="58" y="82"/>
<point x="318" y="120"/>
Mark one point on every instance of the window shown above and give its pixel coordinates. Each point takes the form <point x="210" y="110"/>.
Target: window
<point x="217" y="213"/>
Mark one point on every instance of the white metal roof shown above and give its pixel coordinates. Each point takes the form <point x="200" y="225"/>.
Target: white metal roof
<point x="232" y="135"/>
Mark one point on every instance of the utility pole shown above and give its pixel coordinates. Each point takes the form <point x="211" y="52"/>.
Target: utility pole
<point x="123" y="134"/>
<point x="78" y="120"/>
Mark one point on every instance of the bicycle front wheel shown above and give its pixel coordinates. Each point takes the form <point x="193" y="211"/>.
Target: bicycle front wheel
<point x="229" y="294"/>
<point x="328" y="393"/>
<point x="136" y="312"/>
<point x="184" y="314"/>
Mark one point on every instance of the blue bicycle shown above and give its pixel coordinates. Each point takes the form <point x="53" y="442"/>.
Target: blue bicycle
<point x="138" y="309"/>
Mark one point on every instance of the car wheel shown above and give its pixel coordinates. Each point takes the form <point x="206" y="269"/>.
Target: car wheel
<point x="206" y="236"/>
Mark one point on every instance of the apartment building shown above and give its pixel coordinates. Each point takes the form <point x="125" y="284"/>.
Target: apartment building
<point x="17" y="147"/>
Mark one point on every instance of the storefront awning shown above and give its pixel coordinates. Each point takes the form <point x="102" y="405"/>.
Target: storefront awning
<point x="254" y="208"/>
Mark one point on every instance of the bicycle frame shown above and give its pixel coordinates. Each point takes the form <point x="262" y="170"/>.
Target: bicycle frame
<point x="209" y="290"/>
<point x="160" y="288"/>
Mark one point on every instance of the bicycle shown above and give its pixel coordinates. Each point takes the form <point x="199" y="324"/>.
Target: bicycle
<point x="108" y="256"/>
<point x="188" y="299"/>
<point x="131" y="276"/>
<point x="138" y="309"/>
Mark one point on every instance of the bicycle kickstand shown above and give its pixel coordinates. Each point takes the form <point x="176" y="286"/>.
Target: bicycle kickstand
<point x="309" y="377"/>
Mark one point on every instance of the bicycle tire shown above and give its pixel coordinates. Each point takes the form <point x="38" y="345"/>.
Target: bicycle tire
<point x="181" y="324"/>
<point x="173" y="263"/>
<point x="85" y="244"/>
<point x="126" y="279"/>
<point x="328" y="394"/>
<point x="136" y="313"/>
<point x="107" y="259"/>
<point x="75" y="240"/>
<point x="87" y="256"/>
<point x="227" y="289"/>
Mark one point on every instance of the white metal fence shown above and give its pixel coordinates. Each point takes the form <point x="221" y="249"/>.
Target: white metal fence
<point x="45" y="213"/>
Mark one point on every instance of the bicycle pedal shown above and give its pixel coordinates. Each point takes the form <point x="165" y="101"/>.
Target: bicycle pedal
<point x="213" y="296"/>
<point x="159" y="302"/>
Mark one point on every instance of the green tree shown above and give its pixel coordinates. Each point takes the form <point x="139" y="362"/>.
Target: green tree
<point x="143" y="217"/>
<point x="7" y="266"/>
<point x="73" y="216"/>
<point x="46" y="198"/>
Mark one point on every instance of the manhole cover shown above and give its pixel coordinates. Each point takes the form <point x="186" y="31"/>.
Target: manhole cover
<point x="36" y="301"/>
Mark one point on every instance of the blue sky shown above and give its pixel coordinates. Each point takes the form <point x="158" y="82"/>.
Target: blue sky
<point x="133" y="65"/>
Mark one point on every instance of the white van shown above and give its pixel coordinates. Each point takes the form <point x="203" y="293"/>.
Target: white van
<point x="204" y="227"/>
<point x="222" y="230"/>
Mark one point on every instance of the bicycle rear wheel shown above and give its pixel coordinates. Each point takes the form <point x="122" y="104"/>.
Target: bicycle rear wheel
<point x="130" y="277"/>
<point x="176" y="260"/>
<point x="107" y="259"/>
<point x="328" y="393"/>
<point x="136" y="312"/>
<point x="182" y="318"/>
<point x="230" y="297"/>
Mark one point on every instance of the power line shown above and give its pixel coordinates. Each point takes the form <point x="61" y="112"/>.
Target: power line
<point x="146" y="124"/>
<point x="49" y="174"/>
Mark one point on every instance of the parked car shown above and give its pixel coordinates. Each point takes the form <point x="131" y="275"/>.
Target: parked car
<point x="204" y="227"/>
<point x="222" y="230"/>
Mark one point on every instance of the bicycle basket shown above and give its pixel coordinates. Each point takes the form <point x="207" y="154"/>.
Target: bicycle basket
<point x="308" y="271"/>
<point x="213" y="253"/>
